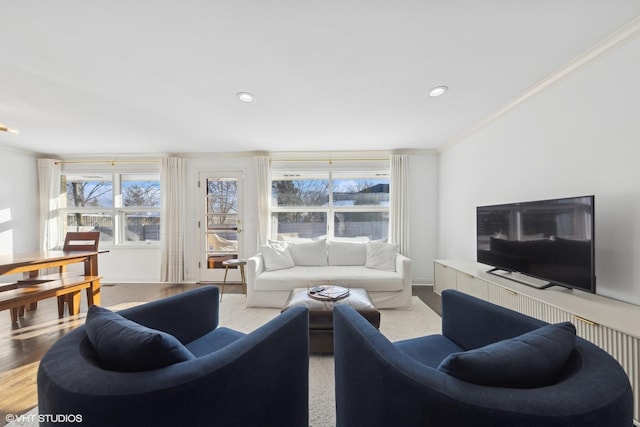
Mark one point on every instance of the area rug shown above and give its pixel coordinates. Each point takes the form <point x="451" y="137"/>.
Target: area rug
<point x="396" y="325"/>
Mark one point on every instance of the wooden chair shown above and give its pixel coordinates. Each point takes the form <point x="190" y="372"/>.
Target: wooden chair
<point x="76" y="241"/>
<point x="81" y="241"/>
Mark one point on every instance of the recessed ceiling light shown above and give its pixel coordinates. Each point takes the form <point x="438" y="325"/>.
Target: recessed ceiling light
<point x="245" y="96"/>
<point x="437" y="91"/>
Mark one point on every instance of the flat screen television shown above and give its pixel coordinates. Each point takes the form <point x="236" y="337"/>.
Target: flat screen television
<point x="549" y="240"/>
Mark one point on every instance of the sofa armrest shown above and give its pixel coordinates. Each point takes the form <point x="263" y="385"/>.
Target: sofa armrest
<point x="403" y="268"/>
<point x="255" y="266"/>
<point x="366" y="361"/>
<point x="471" y="322"/>
<point x="186" y="316"/>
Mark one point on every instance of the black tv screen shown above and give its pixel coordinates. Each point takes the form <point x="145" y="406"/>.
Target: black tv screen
<point x="551" y="240"/>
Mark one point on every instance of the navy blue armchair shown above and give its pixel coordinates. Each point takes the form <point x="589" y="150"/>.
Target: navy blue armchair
<point x="229" y="378"/>
<point x="379" y="383"/>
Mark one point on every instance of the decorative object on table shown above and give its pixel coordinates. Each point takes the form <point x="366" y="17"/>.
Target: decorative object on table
<point x="328" y="292"/>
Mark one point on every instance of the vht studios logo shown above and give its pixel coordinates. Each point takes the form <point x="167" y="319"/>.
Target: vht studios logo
<point x="43" y="418"/>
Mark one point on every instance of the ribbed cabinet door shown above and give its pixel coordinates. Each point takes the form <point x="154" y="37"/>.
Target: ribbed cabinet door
<point x="472" y="285"/>
<point x="445" y="278"/>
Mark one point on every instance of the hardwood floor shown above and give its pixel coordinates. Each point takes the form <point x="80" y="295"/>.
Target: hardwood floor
<point x="430" y="298"/>
<point x="23" y="345"/>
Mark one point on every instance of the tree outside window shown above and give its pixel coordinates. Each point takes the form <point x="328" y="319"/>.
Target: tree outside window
<point x="141" y="203"/>
<point x="335" y="204"/>
<point x="122" y="207"/>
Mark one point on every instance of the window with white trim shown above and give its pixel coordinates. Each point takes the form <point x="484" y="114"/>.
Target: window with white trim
<point x="337" y="202"/>
<point x="124" y="207"/>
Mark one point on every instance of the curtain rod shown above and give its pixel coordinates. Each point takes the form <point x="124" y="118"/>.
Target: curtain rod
<point x="95" y="162"/>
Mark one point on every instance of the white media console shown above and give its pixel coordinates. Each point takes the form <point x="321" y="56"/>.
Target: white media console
<point x="612" y="325"/>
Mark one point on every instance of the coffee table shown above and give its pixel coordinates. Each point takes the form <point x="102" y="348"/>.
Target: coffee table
<point x="321" y="315"/>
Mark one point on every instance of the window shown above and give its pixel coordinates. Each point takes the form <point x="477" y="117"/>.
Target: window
<point x="338" y="204"/>
<point x="124" y="207"/>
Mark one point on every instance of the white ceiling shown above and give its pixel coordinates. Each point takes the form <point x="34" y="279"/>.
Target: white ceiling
<point x="140" y="77"/>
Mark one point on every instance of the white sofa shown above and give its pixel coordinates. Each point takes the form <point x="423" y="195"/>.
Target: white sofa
<point x="374" y="266"/>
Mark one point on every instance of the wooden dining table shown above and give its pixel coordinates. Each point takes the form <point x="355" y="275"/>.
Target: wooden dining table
<point x="30" y="264"/>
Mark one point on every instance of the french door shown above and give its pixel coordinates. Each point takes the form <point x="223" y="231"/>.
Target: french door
<point x="220" y="224"/>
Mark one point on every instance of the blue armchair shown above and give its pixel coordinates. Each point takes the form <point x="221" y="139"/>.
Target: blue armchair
<point x="225" y="377"/>
<point x="418" y="382"/>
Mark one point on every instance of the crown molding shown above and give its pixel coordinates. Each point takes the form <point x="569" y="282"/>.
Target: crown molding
<point x="609" y="44"/>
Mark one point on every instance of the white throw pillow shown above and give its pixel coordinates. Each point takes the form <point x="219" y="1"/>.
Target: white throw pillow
<point x="309" y="253"/>
<point x="346" y="253"/>
<point x="276" y="257"/>
<point x="381" y="256"/>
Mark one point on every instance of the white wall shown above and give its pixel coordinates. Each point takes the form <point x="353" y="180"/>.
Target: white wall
<point x="130" y="265"/>
<point x="19" y="212"/>
<point x="423" y="215"/>
<point x="579" y="137"/>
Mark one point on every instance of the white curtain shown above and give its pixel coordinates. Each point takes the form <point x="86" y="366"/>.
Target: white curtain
<point x="263" y="177"/>
<point x="398" y="201"/>
<point x="173" y="188"/>
<point x="51" y="227"/>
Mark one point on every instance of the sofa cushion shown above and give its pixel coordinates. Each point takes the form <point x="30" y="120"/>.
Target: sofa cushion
<point x="309" y="253"/>
<point x="124" y="345"/>
<point x="276" y="257"/>
<point x="346" y="253"/>
<point x="352" y="276"/>
<point x="533" y="359"/>
<point x="429" y="350"/>
<point x="381" y="256"/>
<point x="215" y="340"/>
